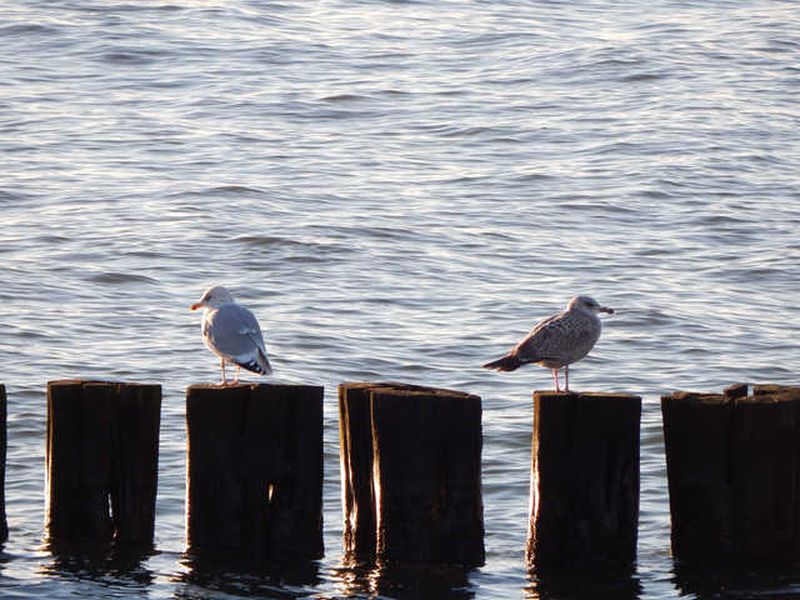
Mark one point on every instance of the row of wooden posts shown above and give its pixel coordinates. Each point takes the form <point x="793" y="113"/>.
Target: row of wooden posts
<point x="411" y="472"/>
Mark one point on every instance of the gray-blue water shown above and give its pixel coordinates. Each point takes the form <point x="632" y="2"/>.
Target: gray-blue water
<point x="398" y="190"/>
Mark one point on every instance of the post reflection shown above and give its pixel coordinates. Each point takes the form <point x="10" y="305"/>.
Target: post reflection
<point x="208" y="573"/>
<point x="404" y="580"/>
<point x="589" y="582"/>
<point x="718" y="579"/>
<point x="121" y="564"/>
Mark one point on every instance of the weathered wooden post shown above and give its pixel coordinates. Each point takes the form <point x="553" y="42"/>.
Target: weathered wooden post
<point x="733" y="467"/>
<point x="696" y="438"/>
<point x="136" y="419"/>
<point x="411" y="473"/>
<point x="355" y="453"/>
<point x="3" y="447"/>
<point x="584" y="480"/>
<point x="102" y="461"/>
<point x="254" y="475"/>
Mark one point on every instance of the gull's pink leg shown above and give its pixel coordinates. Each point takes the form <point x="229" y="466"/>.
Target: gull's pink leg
<point x="222" y="366"/>
<point x="555" y="379"/>
<point x="566" y="378"/>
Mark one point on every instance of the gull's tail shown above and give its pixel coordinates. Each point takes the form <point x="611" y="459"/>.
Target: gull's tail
<point x="263" y="362"/>
<point x="508" y="363"/>
<point x="260" y="364"/>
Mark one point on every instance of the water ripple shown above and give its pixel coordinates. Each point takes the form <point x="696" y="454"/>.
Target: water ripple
<point x="398" y="190"/>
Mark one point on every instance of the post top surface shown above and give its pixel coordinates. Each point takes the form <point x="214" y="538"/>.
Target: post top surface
<point x="98" y="383"/>
<point x="596" y="396"/>
<point x="761" y="394"/>
<point x="249" y="386"/>
<point x="774" y="389"/>
<point x="408" y="390"/>
<point x="696" y="397"/>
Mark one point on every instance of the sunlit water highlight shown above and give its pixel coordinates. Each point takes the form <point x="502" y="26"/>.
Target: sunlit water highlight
<point x="398" y="190"/>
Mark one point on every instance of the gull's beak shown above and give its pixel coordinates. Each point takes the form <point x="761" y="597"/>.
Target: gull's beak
<point x="605" y="309"/>
<point x="196" y="305"/>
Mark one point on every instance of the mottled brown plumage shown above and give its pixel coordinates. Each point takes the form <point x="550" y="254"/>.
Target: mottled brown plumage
<point x="557" y="341"/>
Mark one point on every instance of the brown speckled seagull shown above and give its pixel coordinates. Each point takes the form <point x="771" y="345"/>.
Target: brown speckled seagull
<point x="558" y="341"/>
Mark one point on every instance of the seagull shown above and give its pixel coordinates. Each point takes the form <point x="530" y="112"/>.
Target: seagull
<point x="558" y="341"/>
<point x="231" y="332"/>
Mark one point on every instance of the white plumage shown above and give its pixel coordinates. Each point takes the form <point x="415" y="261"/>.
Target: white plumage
<point x="232" y="332"/>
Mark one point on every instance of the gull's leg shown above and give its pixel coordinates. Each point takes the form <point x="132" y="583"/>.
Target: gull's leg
<point x="555" y="379"/>
<point x="222" y="366"/>
<point x="566" y="378"/>
<point x="236" y="379"/>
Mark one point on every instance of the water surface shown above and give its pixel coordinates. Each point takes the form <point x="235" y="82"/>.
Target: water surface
<point x="399" y="190"/>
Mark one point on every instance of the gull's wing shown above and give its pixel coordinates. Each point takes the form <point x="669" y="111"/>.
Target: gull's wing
<point x="561" y="339"/>
<point x="233" y="332"/>
<point x="546" y="341"/>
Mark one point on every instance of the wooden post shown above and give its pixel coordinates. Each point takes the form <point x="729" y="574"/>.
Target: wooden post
<point x="411" y="473"/>
<point x="254" y="476"/>
<point x="696" y="432"/>
<point x="584" y="480"/>
<point x="355" y="453"/>
<point x="733" y="466"/>
<point x="3" y="446"/>
<point x="102" y="461"/>
<point x="136" y="421"/>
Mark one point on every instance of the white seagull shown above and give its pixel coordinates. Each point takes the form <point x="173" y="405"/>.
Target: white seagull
<point x="231" y="332"/>
<point x="559" y="340"/>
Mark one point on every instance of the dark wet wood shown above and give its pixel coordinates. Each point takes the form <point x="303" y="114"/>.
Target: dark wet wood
<point x="736" y="390"/>
<point x="411" y="475"/>
<point x="696" y="439"/>
<point x="101" y="461"/>
<point x="584" y="480"/>
<point x="355" y="448"/>
<point x="136" y="414"/>
<point x="255" y="470"/>
<point x="733" y="465"/>
<point x="3" y="447"/>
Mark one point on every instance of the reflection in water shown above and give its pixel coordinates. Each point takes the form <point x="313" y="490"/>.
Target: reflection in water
<point x="591" y="582"/>
<point x="118" y="565"/>
<point x="4" y="558"/>
<point x="737" y="581"/>
<point x="404" y="580"/>
<point x="245" y="577"/>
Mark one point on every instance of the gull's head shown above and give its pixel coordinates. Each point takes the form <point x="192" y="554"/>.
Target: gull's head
<point x="213" y="297"/>
<point x="588" y="304"/>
